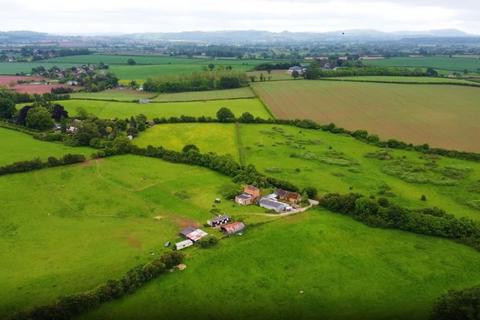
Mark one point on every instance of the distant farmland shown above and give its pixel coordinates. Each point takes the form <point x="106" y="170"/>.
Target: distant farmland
<point x="446" y="63"/>
<point x="441" y="115"/>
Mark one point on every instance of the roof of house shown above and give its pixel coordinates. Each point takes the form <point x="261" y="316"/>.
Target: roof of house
<point x="233" y="227"/>
<point x="244" y="196"/>
<point x="296" y="68"/>
<point x="186" y="231"/>
<point x="286" y="194"/>
<point x="250" y="188"/>
<point x="196" y="235"/>
<point x="273" y="203"/>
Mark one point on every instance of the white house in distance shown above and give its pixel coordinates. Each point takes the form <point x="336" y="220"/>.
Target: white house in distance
<point x="300" y="70"/>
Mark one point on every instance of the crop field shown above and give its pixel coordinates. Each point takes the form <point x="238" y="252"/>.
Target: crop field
<point x="69" y="229"/>
<point x="206" y="95"/>
<point x="110" y="109"/>
<point x="415" y="80"/>
<point x="209" y="137"/>
<point x="446" y="63"/>
<point x="443" y="116"/>
<point x="324" y="265"/>
<point x="17" y="146"/>
<point x="113" y="94"/>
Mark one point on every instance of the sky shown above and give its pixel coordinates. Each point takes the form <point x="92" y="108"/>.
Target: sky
<point x="127" y="16"/>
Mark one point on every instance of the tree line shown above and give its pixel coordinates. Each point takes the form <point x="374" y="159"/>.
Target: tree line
<point x="73" y="305"/>
<point x="37" y="164"/>
<point x="200" y="81"/>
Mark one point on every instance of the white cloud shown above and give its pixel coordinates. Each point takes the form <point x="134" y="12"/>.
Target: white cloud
<point x="87" y="16"/>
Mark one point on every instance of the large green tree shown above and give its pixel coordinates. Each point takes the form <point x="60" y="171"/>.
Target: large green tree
<point x="7" y="108"/>
<point x="39" y="118"/>
<point x="225" y="115"/>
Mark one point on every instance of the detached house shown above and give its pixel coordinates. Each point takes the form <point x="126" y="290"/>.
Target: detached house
<point x="288" y="196"/>
<point x="249" y="196"/>
<point x="218" y="221"/>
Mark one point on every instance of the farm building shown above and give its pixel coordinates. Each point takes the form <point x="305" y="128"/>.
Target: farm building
<point x="233" y="228"/>
<point x="272" y="204"/>
<point x="291" y="197"/>
<point x="218" y="221"/>
<point x="183" y="244"/>
<point x="196" y="235"/>
<point x="298" y="69"/>
<point x="249" y="196"/>
<point x="185" y="232"/>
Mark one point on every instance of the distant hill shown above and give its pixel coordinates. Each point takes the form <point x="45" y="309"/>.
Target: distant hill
<point x="255" y="36"/>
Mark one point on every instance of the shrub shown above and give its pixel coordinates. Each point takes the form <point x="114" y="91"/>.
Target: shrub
<point x="458" y="305"/>
<point x="208" y="241"/>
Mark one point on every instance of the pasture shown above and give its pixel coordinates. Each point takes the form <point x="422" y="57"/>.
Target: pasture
<point x="440" y="115"/>
<point x="111" y="109"/>
<point x="273" y="75"/>
<point x="208" y="137"/>
<point x="206" y="95"/>
<point x="17" y="146"/>
<point x="310" y="266"/>
<point x="69" y="229"/>
<point x="113" y="94"/>
<point x="460" y="64"/>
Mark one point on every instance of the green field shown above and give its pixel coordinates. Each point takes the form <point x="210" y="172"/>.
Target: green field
<point x="110" y="109"/>
<point x="415" y="80"/>
<point x="206" y="95"/>
<point x="18" y="146"/>
<point x="439" y="62"/>
<point x="273" y="75"/>
<point x="69" y="229"/>
<point x="211" y="137"/>
<point x="114" y="94"/>
<point x="345" y="270"/>
<point x="441" y="115"/>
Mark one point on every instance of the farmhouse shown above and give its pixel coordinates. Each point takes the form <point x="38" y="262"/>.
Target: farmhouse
<point x="300" y="70"/>
<point x="249" y="196"/>
<point x="218" y="221"/>
<point x="291" y="197"/>
<point x="233" y="228"/>
<point x="272" y="204"/>
<point x="183" y="244"/>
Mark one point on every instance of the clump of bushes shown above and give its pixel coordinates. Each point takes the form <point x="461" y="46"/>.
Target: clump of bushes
<point x="208" y="242"/>
<point x="458" y="305"/>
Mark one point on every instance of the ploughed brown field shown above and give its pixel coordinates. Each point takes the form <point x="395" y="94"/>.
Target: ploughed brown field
<point x="12" y="82"/>
<point x="441" y="115"/>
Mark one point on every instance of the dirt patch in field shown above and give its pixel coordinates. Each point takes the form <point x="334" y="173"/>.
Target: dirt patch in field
<point x="133" y="241"/>
<point x="12" y="81"/>
<point x="183" y="222"/>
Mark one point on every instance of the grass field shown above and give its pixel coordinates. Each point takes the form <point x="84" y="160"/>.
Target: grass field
<point x="211" y="137"/>
<point x="440" y="62"/>
<point x="114" y="94"/>
<point x="110" y="109"/>
<point x="18" y="146"/>
<point x="443" y="116"/>
<point x="344" y="269"/>
<point x="335" y="163"/>
<point x="69" y="229"/>
<point x="206" y="95"/>
<point x="274" y="75"/>
<point x="415" y="80"/>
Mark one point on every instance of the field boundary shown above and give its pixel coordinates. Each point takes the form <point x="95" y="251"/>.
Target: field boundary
<point x="400" y="82"/>
<point x="263" y="103"/>
<point x="238" y="142"/>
